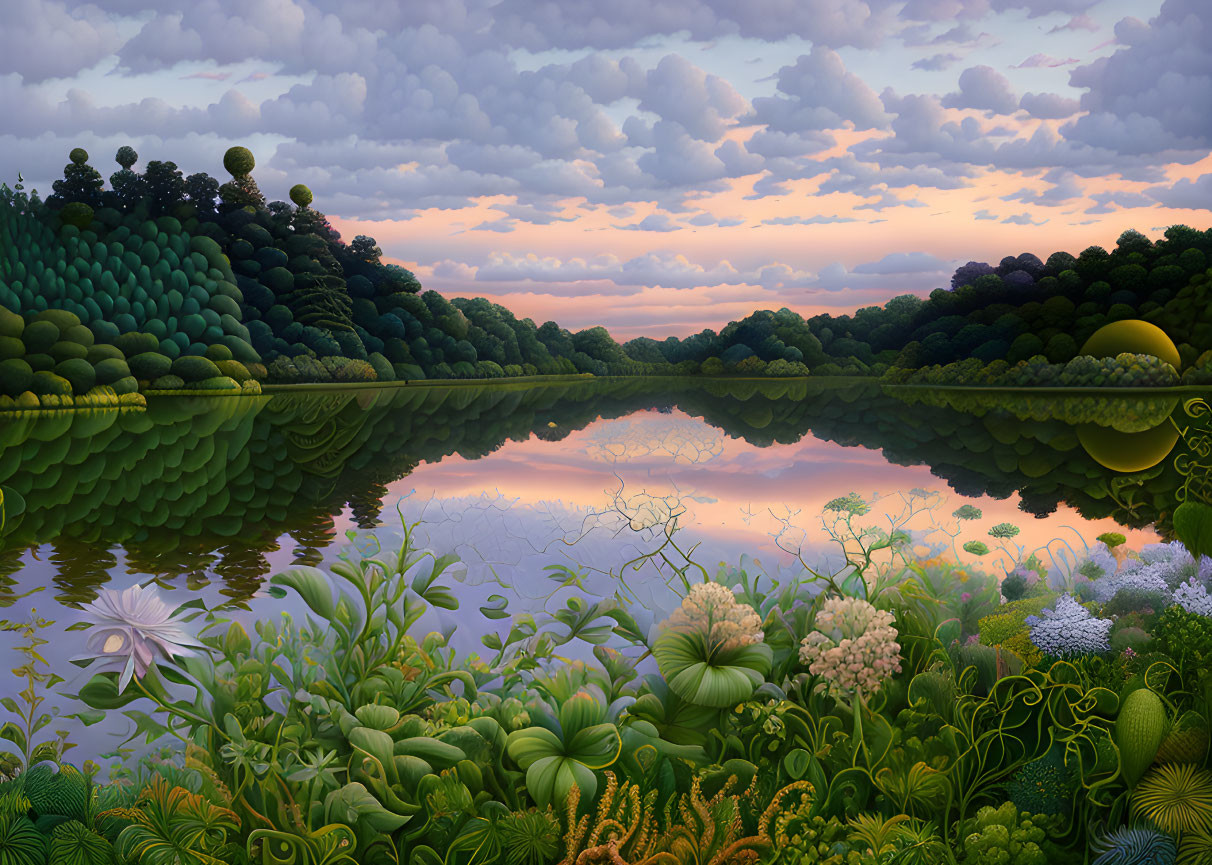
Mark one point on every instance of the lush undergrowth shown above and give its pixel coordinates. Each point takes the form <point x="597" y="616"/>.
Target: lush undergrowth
<point x="902" y="709"/>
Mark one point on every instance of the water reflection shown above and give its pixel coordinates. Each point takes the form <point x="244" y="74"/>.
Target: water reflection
<point x="194" y="489"/>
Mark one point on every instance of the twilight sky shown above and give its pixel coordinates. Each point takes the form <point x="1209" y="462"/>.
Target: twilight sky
<point x="656" y="166"/>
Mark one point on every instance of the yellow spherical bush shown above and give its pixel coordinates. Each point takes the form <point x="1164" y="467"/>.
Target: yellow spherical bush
<point x="1133" y="336"/>
<point x="1127" y="452"/>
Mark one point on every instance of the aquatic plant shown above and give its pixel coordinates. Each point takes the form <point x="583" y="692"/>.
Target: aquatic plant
<point x="31" y="716"/>
<point x="134" y="628"/>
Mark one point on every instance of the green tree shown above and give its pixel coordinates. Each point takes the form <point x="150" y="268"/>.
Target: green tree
<point x="165" y="186"/>
<point x="81" y="182"/>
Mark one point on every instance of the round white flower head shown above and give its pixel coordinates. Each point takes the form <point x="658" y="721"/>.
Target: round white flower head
<point x="132" y="628"/>
<point x="853" y="648"/>
<point x="714" y="611"/>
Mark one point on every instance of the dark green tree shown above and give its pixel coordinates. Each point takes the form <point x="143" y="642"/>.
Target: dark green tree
<point x="165" y="186"/>
<point x="81" y="182"/>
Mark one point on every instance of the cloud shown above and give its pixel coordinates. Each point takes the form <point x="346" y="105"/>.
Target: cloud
<point x="207" y="76"/>
<point x="503" y="225"/>
<point x="1077" y="22"/>
<point x="1150" y="96"/>
<point x="887" y="200"/>
<point x="656" y="269"/>
<point x="983" y="88"/>
<point x="538" y="25"/>
<point x="653" y="222"/>
<point x="1063" y="189"/>
<point x="535" y="214"/>
<point x="1022" y="219"/>
<point x="1109" y="202"/>
<point x="1045" y="61"/>
<point x="807" y="220"/>
<point x="706" y="218"/>
<point x="1048" y="106"/>
<point x="894" y="273"/>
<point x="983" y="214"/>
<point x="44" y="39"/>
<point x="935" y="62"/>
<point x="818" y="93"/>
<point x="903" y="262"/>
<point x="702" y="104"/>
<point x="1184" y="193"/>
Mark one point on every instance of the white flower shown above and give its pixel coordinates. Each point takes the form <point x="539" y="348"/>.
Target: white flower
<point x="132" y="628"/>
<point x="853" y="648"/>
<point x="714" y="610"/>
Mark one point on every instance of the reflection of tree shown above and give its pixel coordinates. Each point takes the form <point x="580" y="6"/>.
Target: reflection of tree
<point x="197" y="486"/>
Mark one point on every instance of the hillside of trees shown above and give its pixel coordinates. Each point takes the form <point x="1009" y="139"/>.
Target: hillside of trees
<point x="170" y="281"/>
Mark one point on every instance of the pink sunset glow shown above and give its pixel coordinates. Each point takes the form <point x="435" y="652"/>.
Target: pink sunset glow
<point x="653" y="173"/>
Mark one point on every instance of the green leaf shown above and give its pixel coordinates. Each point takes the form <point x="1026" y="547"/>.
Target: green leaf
<point x="353" y="805"/>
<point x="495" y="608"/>
<point x="313" y="585"/>
<point x="237" y="641"/>
<point x="145" y="725"/>
<point x="796" y="763"/>
<point x="1193" y="526"/>
<point x="12" y="733"/>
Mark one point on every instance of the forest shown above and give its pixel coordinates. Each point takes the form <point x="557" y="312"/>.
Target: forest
<point x="167" y="282"/>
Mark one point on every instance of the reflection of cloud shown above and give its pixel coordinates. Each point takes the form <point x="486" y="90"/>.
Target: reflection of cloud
<point x="638" y="437"/>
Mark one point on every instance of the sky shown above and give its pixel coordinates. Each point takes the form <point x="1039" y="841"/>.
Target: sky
<point x="654" y="166"/>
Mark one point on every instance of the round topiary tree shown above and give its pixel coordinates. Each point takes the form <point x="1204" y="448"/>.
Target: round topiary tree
<point x="241" y="191"/>
<point x="78" y="156"/>
<point x="239" y="161"/>
<point x="126" y="157"/>
<point x="1133" y="336"/>
<point x="300" y="195"/>
<point x="76" y="213"/>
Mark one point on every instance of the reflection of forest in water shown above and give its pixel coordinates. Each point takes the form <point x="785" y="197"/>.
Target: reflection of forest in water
<point x="196" y="487"/>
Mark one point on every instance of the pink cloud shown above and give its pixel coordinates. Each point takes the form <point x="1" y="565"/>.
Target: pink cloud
<point x="1045" y="61"/>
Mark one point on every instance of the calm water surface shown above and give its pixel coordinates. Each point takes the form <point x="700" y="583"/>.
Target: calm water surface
<point x="209" y="497"/>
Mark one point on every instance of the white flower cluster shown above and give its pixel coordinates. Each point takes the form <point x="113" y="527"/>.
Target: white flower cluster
<point x="853" y="648"/>
<point x="1069" y="629"/>
<point x="714" y="611"/>
<point x="1193" y="597"/>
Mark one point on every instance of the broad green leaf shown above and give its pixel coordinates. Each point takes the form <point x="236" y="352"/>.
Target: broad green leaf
<point x="313" y="585"/>
<point x="1193" y="526"/>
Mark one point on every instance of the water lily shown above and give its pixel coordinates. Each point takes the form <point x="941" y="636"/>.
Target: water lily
<point x="132" y="628"/>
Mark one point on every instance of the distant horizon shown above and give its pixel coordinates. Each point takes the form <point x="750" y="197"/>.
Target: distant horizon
<point x="519" y="303"/>
<point x="654" y="172"/>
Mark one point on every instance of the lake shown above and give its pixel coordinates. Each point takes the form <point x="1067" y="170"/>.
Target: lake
<point x="531" y="483"/>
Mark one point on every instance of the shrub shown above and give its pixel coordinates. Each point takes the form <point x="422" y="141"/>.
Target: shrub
<point x="149" y="365"/>
<point x="79" y="372"/>
<point x="192" y="368"/>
